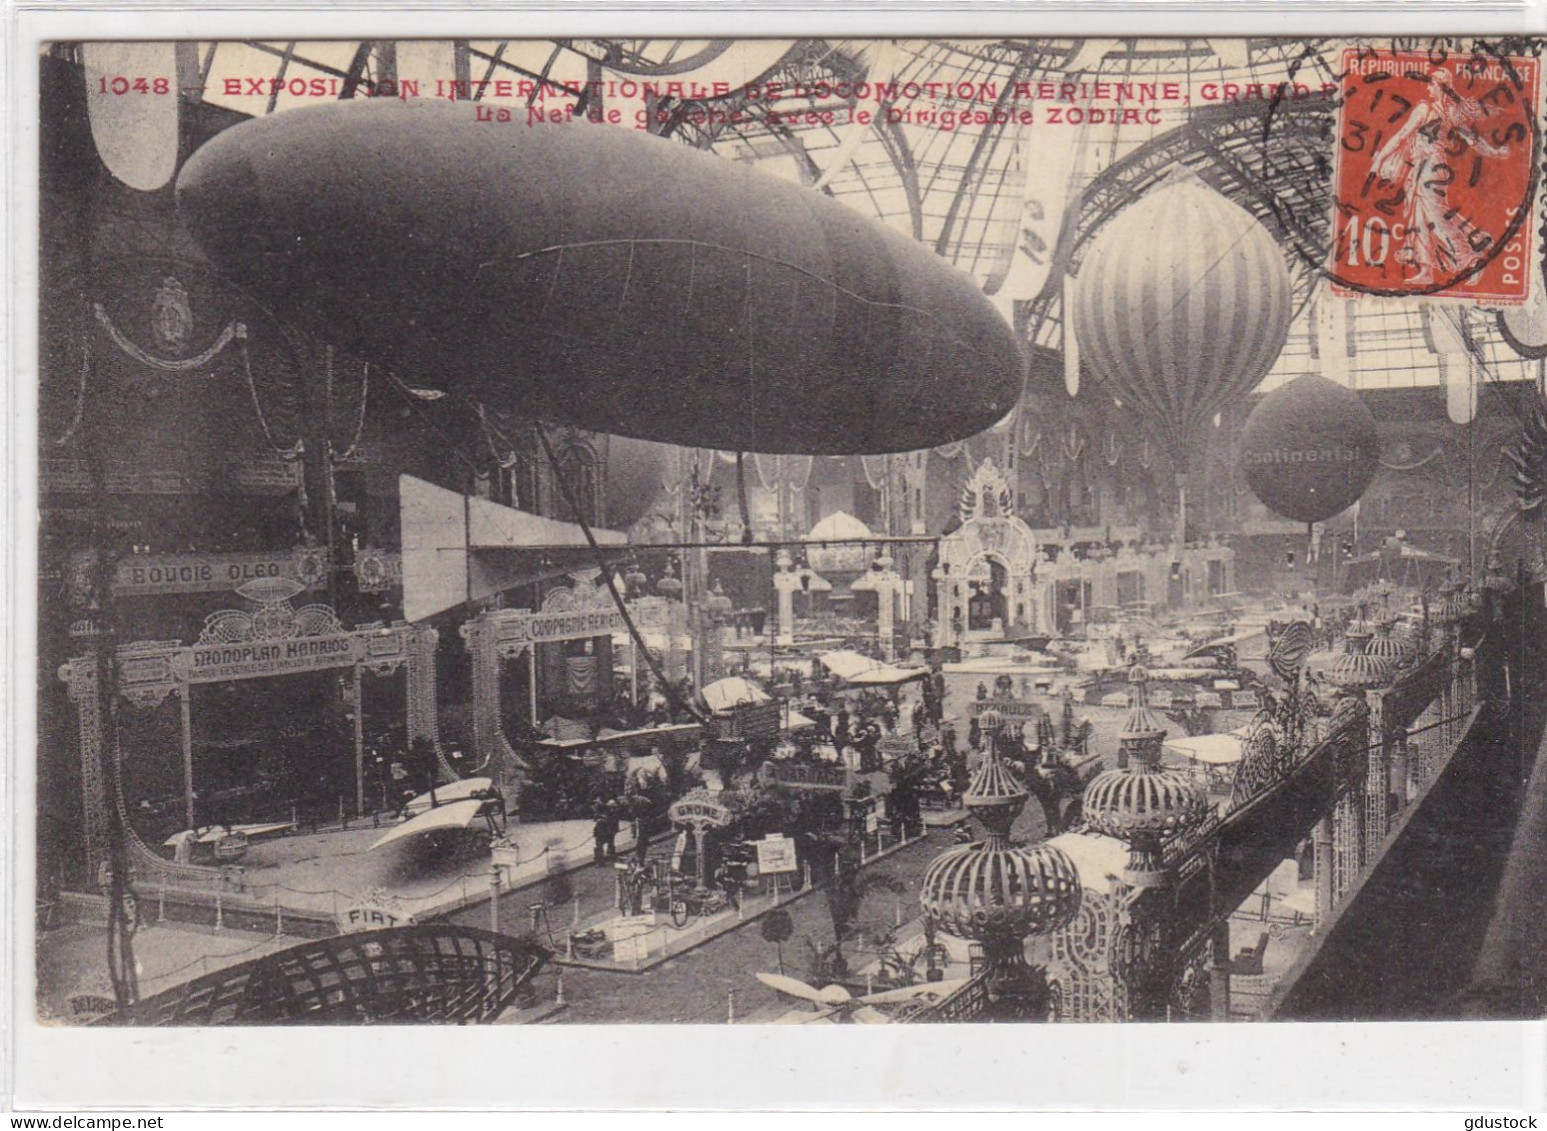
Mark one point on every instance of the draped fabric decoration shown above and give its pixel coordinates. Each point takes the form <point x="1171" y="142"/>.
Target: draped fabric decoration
<point x="1074" y="444"/>
<point x="1030" y="436"/>
<point x="1413" y="465"/>
<point x="774" y="472"/>
<point x="1112" y="450"/>
<point x="770" y="470"/>
<point x="232" y="331"/>
<point x="915" y="468"/>
<point x="875" y="471"/>
<point x="289" y="451"/>
<point x="878" y="474"/>
<point x="1446" y="338"/>
<point x="1449" y="469"/>
<point x="80" y="399"/>
<point x="951" y="450"/>
<point x="799" y="471"/>
<point x="313" y="354"/>
<point x="290" y="367"/>
<point x="767" y="468"/>
<point x="363" y="400"/>
<point x="580" y="675"/>
<point x="1047" y="469"/>
<point x="690" y="465"/>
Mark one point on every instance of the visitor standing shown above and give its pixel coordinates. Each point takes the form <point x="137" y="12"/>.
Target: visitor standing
<point x="601" y="834"/>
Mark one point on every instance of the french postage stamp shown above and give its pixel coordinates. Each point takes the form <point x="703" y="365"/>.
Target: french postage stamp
<point x="1437" y="161"/>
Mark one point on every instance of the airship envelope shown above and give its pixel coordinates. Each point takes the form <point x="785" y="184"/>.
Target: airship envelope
<point x="601" y="277"/>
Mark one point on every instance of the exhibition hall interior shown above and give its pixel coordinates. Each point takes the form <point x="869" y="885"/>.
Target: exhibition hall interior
<point x="808" y="532"/>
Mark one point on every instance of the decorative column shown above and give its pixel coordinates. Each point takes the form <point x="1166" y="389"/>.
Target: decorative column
<point x="671" y="588"/>
<point x="785" y="581"/>
<point x="1219" y="971"/>
<point x="1401" y="769"/>
<point x="1359" y="823"/>
<point x="1348" y="842"/>
<point x="882" y="580"/>
<point x="478" y="635"/>
<point x="1377" y="785"/>
<point x="945" y="606"/>
<point x="185" y="704"/>
<point x="888" y="589"/>
<point x="359" y="717"/>
<point x="715" y="607"/>
<point x="423" y="710"/>
<point x="1321" y="844"/>
<point x="80" y="676"/>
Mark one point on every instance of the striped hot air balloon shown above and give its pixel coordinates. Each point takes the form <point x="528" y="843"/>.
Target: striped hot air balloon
<point x="1181" y="306"/>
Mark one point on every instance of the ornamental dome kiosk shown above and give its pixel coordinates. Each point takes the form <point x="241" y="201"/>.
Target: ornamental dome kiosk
<point x="985" y="583"/>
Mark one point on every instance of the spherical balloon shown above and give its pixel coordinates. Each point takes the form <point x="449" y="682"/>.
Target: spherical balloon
<point x="1310" y="449"/>
<point x="635" y="469"/>
<point x="1181" y="306"/>
<point x="601" y="277"/>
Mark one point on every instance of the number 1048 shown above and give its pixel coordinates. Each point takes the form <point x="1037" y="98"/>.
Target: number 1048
<point x="120" y="84"/>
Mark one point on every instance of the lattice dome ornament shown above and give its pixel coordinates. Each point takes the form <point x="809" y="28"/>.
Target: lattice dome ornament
<point x="1356" y="670"/>
<point x="999" y="893"/>
<point x="1452" y="607"/>
<point x="1143" y="731"/>
<point x="1387" y="646"/>
<point x="1143" y="805"/>
<point x="669" y="585"/>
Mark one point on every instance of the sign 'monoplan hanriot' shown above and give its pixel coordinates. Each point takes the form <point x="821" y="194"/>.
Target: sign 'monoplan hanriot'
<point x="215" y="663"/>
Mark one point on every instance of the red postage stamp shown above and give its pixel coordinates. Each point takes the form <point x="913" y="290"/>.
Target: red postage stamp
<point x="1437" y="160"/>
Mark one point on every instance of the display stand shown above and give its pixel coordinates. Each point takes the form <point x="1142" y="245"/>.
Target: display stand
<point x="780" y="881"/>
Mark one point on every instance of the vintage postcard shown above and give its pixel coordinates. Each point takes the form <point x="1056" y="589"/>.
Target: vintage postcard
<point x="802" y="532"/>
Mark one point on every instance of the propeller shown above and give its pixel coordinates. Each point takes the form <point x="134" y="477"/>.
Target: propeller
<point x="829" y="995"/>
<point x="909" y="993"/>
<point x="846" y="1006"/>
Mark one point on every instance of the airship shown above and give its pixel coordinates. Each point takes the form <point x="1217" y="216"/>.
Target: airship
<point x="600" y="277"/>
